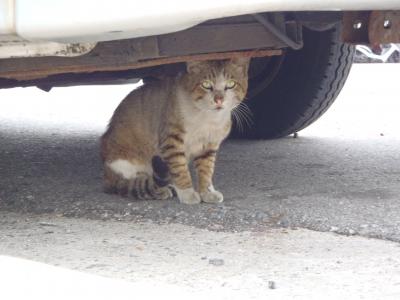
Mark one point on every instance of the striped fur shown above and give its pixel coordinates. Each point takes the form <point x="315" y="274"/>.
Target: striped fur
<point x="161" y="127"/>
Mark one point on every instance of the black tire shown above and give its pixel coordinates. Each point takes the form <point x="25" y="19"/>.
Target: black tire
<point x="289" y="92"/>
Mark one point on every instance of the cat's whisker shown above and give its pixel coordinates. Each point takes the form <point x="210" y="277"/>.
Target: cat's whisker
<point x="244" y="118"/>
<point x="234" y="118"/>
<point x="247" y="119"/>
<point x="244" y="106"/>
<point x="244" y="114"/>
<point x="238" y="121"/>
<point x="241" y="119"/>
<point x="247" y="112"/>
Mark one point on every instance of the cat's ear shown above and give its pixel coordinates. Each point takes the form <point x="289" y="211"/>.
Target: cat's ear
<point x="241" y="64"/>
<point x="194" y="67"/>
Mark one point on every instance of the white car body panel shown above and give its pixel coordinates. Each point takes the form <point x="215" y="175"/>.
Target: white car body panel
<point x="98" y="20"/>
<point x="90" y="21"/>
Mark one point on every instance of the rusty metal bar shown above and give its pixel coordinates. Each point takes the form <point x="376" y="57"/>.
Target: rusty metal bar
<point x="376" y="27"/>
<point x="21" y="74"/>
<point x="355" y="27"/>
<point x="205" y="41"/>
<point x="384" y="27"/>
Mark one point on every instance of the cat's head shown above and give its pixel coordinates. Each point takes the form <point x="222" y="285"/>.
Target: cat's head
<point x="217" y="85"/>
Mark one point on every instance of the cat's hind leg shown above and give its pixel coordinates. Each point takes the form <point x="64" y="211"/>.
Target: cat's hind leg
<point x="124" y="177"/>
<point x="114" y="183"/>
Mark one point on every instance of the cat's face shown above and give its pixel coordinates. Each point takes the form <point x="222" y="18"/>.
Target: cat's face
<point x="217" y="85"/>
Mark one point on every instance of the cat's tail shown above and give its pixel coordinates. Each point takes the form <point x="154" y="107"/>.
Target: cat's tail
<point x="144" y="185"/>
<point x="155" y="187"/>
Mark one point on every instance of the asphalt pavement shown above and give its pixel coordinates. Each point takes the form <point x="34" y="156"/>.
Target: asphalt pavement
<point x="295" y="209"/>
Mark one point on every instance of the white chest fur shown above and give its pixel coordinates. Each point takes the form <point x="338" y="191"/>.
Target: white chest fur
<point x="203" y="129"/>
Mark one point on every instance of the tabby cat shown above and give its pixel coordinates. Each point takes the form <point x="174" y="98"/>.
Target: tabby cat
<point x="160" y="128"/>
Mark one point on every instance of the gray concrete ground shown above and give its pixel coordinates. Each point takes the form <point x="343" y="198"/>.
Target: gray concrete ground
<point x="175" y="261"/>
<point x="341" y="176"/>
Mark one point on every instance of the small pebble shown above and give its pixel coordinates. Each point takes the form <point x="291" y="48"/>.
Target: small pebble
<point x="47" y="224"/>
<point x="271" y="285"/>
<point x="216" y="226"/>
<point x="334" y="229"/>
<point x="352" y="232"/>
<point x="216" y="262"/>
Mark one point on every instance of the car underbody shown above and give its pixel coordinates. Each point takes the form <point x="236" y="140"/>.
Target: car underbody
<point x="255" y="35"/>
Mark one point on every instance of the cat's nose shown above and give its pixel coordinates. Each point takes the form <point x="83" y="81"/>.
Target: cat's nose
<point x="218" y="99"/>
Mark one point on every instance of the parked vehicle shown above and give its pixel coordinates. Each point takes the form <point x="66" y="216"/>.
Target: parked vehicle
<point x="302" y="49"/>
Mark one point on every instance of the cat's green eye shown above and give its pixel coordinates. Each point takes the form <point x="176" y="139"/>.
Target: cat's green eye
<point x="207" y="84"/>
<point x="230" y="84"/>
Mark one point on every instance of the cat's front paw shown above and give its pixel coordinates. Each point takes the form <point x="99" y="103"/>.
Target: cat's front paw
<point x="188" y="196"/>
<point x="212" y="196"/>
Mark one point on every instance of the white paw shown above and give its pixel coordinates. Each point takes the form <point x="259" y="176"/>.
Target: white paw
<point x="212" y="196"/>
<point x="188" y="196"/>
